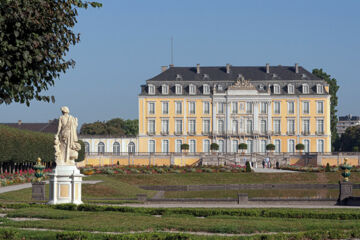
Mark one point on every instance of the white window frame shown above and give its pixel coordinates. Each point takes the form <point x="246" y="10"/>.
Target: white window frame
<point x="304" y="103"/>
<point x="234" y="146"/>
<point x="249" y="127"/>
<point x="277" y="106"/>
<point x="192" y="147"/>
<point x="320" y="148"/>
<point x="192" y="107"/>
<point x="206" y="127"/>
<point x="206" y="89"/>
<point x="221" y="145"/>
<point x="263" y="146"/>
<point x="306" y="130"/>
<point x="178" y="89"/>
<point x="101" y="147"/>
<point x="318" y="129"/>
<point x="151" y="143"/>
<point x="263" y="126"/>
<point x="289" y="103"/>
<point x="192" y="126"/>
<point x="206" y="107"/>
<point x="178" y="143"/>
<point x="291" y="126"/>
<point x="263" y="107"/>
<point x="151" y="108"/>
<point x="305" y="88"/>
<point x="249" y="107"/>
<point x="165" y="107"/>
<point x="235" y="126"/>
<point x="319" y="89"/>
<point x="318" y="103"/>
<point x="116" y="147"/>
<point x="291" y="146"/>
<point x="275" y="128"/>
<point x="87" y="147"/>
<point x="221" y="106"/>
<point x="165" y="126"/>
<point x="276" y="89"/>
<point x="165" y="89"/>
<point x="178" y="105"/>
<point x="277" y="143"/>
<point x="150" y="126"/>
<point x="192" y="89"/>
<point x="291" y="89"/>
<point x="165" y="143"/>
<point x="177" y="130"/>
<point x="307" y="145"/>
<point x="206" y="145"/>
<point x="151" y="89"/>
<point x="221" y="131"/>
<point x="234" y="107"/>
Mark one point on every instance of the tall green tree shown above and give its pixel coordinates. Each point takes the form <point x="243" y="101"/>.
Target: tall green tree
<point x="115" y="127"/>
<point x="350" y="140"/>
<point x="35" y="36"/>
<point x="333" y="88"/>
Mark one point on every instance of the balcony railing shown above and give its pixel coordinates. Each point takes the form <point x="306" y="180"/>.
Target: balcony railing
<point x="164" y="133"/>
<point x="319" y="132"/>
<point x="191" y="133"/>
<point x="178" y="133"/>
<point x="206" y="133"/>
<point x="305" y="133"/>
<point x="151" y="133"/>
<point x="290" y="133"/>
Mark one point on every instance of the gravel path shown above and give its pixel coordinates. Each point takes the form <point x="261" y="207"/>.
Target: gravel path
<point x="272" y="170"/>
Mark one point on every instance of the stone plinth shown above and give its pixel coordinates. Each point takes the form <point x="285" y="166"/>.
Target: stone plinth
<point x="65" y="185"/>
<point x="345" y="192"/>
<point x="38" y="191"/>
<point x="243" y="198"/>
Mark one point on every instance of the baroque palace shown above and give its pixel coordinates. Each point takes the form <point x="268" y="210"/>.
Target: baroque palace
<point x="228" y="105"/>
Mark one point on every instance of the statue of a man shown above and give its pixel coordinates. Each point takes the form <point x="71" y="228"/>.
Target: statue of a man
<point x="66" y="141"/>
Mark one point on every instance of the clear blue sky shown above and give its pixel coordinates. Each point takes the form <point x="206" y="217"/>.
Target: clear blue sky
<point x="125" y="42"/>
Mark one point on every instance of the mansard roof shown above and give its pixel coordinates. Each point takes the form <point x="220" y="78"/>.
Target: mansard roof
<point x="218" y="73"/>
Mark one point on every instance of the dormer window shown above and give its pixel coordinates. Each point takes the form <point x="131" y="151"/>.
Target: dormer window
<point x="219" y="87"/>
<point x="192" y="89"/>
<point x="206" y="76"/>
<point x="178" y="77"/>
<point x="151" y="89"/>
<point x="165" y="89"/>
<point x="206" y="89"/>
<point x="276" y="88"/>
<point x="291" y="89"/>
<point x="261" y="87"/>
<point x="178" y="89"/>
<point x="303" y="76"/>
<point x="305" y="88"/>
<point x="319" y="89"/>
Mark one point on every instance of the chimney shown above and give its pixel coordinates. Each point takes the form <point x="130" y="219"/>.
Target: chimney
<point x="296" y="68"/>
<point x="19" y="122"/>
<point x="198" y="68"/>
<point x="163" y="68"/>
<point x="228" y="68"/>
<point x="267" y="68"/>
<point x="171" y="65"/>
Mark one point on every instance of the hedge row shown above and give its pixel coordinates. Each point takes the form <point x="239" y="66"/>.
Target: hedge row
<point x="13" y="234"/>
<point x="19" y="146"/>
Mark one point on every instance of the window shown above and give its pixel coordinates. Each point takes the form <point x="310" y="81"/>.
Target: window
<point x="263" y="146"/>
<point x="206" y="89"/>
<point x="192" y="124"/>
<point x="101" y="147"/>
<point x="192" y="146"/>
<point x="306" y="107"/>
<point x="87" y="147"/>
<point x="307" y="145"/>
<point x="291" y="145"/>
<point x="249" y="126"/>
<point x="277" y="107"/>
<point x="320" y="145"/>
<point x="151" y="107"/>
<point x="291" y="107"/>
<point x="192" y="89"/>
<point x="235" y="126"/>
<point x="249" y="107"/>
<point x="277" y="126"/>
<point x="234" y="107"/>
<point x="277" y="144"/>
<point x="263" y="107"/>
<point x="221" y="127"/>
<point x="250" y="146"/>
<point x="165" y="126"/>
<point x="151" y="126"/>
<point x="305" y="88"/>
<point x="165" y="89"/>
<point x="178" y="126"/>
<point x="320" y="107"/>
<point x="116" y="148"/>
<point x="291" y="89"/>
<point x="221" y="146"/>
<point x="165" y="146"/>
<point x="191" y="107"/>
<point x="178" y="107"/>
<point x="178" y="89"/>
<point x="320" y="126"/>
<point x="206" y="107"/>
<point x="221" y="108"/>
<point x="206" y="146"/>
<point x="263" y="126"/>
<point x="178" y="144"/>
<point x="131" y="147"/>
<point x="306" y="127"/>
<point x="319" y="89"/>
<point x="234" y="146"/>
<point x="276" y="88"/>
<point x="291" y="126"/>
<point x="151" y="89"/>
<point x="206" y="126"/>
<point x="151" y="146"/>
<point x="165" y="107"/>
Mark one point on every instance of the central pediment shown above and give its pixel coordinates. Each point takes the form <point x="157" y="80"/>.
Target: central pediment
<point x="242" y="84"/>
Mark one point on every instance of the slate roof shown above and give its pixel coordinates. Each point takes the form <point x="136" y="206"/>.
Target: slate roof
<point x="49" y="127"/>
<point x="218" y="73"/>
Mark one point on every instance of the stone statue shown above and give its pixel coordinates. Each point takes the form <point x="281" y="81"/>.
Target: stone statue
<point x="66" y="141"/>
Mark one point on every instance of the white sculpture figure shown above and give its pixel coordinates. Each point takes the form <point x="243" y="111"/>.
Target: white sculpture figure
<point x="66" y="141"/>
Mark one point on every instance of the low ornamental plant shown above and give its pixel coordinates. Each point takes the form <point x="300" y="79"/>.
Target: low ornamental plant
<point x="23" y="176"/>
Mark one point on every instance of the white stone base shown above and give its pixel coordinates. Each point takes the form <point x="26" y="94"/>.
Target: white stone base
<point x="65" y="185"/>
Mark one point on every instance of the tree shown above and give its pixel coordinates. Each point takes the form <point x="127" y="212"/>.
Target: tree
<point x="184" y="146"/>
<point x="35" y="36"/>
<point x="242" y="147"/>
<point x="214" y="147"/>
<point x="300" y="147"/>
<point x="333" y="88"/>
<point x="114" y="127"/>
<point x="350" y="139"/>
<point x="270" y="147"/>
<point x="248" y="167"/>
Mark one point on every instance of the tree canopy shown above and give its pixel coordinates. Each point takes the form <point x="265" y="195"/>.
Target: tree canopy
<point x="350" y="140"/>
<point x="114" y="127"/>
<point x="35" y="36"/>
<point x="333" y="88"/>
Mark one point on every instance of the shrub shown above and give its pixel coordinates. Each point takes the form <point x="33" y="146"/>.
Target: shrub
<point x="73" y="236"/>
<point x="327" y="168"/>
<point x="214" y="146"/>
<point x="67" y="206"/>
<point x="242" y="146"/>
<point x="248" y="168"/>
<point x="270" y="147"/>
<point x="184" y="146"/>
<point x="300" y="146"/>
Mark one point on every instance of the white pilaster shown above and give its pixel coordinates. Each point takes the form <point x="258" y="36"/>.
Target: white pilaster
<point x="256" y="116"/>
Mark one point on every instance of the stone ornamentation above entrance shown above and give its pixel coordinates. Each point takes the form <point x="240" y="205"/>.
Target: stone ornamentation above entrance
<point x="242" y="84"/>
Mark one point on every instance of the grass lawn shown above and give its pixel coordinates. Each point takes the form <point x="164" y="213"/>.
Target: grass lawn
<point x="125" y="222"/>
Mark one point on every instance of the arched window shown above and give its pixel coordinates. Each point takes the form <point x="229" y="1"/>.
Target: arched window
<point x="87" y="147"/>
<point x="151" y="146"/>
<point x="116" y="148"/>
<point x="192" y="146"/>
<point x="206" y="145"/>
<point x="221" y="146"/>
<point x="277" y="146"/>
<point x="307" y="145"/>
<point x="101" y="148"/>
<point x="320" y="145"/>
<point x="131" y="147"/>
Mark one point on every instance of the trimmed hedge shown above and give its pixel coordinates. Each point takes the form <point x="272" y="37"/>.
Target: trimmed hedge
<point x="18" y="146"/>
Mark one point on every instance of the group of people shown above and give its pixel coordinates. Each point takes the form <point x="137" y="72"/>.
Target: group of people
<point x="266" y="163"/>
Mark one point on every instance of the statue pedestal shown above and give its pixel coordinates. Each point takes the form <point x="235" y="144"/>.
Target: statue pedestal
<point x="345" y="192"/>
<point x="65" y="185"/>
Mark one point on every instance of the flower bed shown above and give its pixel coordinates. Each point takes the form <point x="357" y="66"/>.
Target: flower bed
<point x="310" y="169"/>
<point x="25" y="176"/>
<point x="115" y="169"/>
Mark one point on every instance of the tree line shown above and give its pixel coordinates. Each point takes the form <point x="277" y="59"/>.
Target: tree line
<point x="113" y="127"/>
